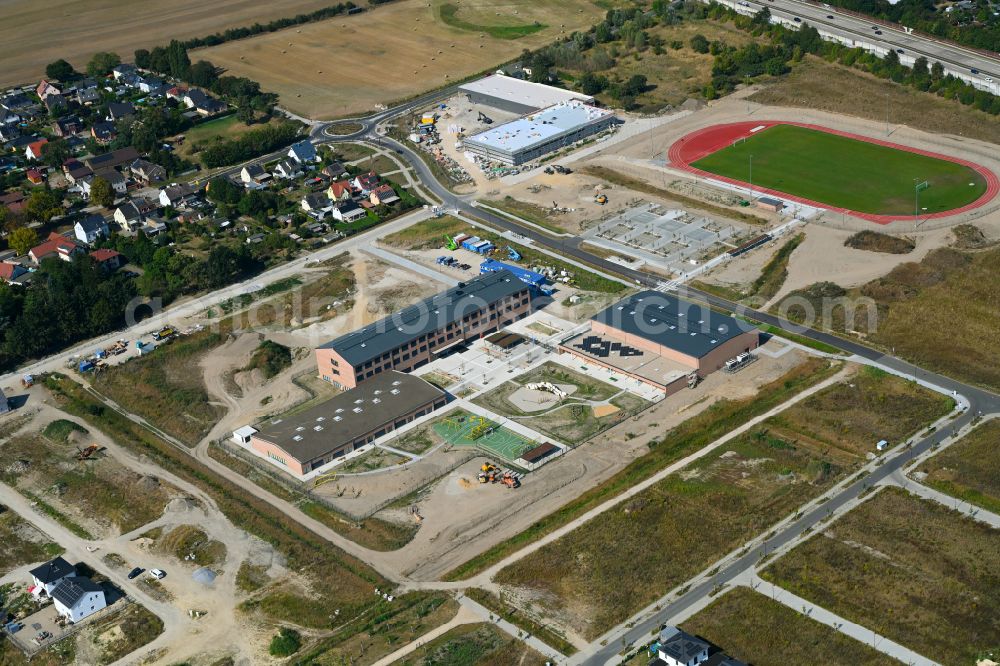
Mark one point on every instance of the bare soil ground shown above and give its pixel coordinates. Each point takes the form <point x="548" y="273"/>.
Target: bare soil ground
<point x="348" y="65"/>
<point x="461" y="518"/>
<point x="34" y="34"/>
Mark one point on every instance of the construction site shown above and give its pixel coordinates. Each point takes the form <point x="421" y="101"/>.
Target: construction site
<point x="672" y="241"/>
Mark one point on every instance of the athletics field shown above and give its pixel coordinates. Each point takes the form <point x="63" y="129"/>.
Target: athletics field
<point x="862" y="176"/>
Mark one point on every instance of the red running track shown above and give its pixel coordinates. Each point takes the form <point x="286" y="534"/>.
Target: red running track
<point x="700" y="143"/>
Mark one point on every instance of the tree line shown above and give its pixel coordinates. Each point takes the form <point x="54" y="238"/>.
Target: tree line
<point x="256" y="142"/>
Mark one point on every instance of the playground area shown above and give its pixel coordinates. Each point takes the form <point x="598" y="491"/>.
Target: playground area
<point x="462" y="429"/>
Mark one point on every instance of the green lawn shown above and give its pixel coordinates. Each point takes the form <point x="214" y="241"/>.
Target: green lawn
<point x="846" y="173"/>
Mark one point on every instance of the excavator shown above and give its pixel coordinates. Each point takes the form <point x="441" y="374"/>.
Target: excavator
<point x="490" y="473"/>
<point x="601" y="199"/>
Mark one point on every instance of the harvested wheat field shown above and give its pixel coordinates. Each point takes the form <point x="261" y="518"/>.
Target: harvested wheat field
<point x="348" y="65"/>
<point x="33" y="34"/>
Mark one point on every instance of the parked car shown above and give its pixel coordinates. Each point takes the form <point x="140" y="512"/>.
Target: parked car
<point x="135" y="572"/>
<point x="157" y="573"/>
<point x="830" y="16"/>
<point x="797" y="19"/>
<point x="899" y="51"/>
<point x="974" y="70"/>
<point x="878" y="32"/>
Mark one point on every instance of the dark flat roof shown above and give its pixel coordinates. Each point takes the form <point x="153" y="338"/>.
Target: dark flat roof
<point x="687" y="327"/>
<point x="345" y="417"/>
<point x="539" y="452"/>
<point x="428" y="315"/>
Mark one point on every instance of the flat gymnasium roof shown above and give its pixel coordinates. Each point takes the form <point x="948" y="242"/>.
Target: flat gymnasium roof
<point x="537" y="95"/>
<point x="686" y="327"/>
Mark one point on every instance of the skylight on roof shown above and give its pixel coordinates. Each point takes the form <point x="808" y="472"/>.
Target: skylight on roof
<point x="318" y="428"/>
<point x="357" y="410"/>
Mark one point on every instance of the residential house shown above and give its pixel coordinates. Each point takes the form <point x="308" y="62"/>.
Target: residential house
<point x="128" y="216"/>
<point x="16" y="102"/>
<point x="103" y="132"/>
<point x="108" y="260"/>
<point x="254" y="175"/>
<point x="146" y="172"/>
<point x="176" y="195"/>
<point x="177" y="93"/>
<point x="148" y="84"/>
<point x="114" y="159"/>
<point x="55" y="102"/>
<point x="13" y="273"/>
<point x="76" y="170"/>
<point x="8" y="118"/>
<point x="316" y="202"/>
<point x="119" y="111"/>
<point x="348" y="211"/>
<point x="88" y="96"/>
<point x="90" y="229"/>
<point x="67" y="126"/>
<point x="13" y="201"/>
<point x="117" y="181"/>
<point x="366" y="182"/>
<point x="77" y="598"/>
<point x="34" y="176"/>
<point x="44" y="578"/>
<point x="34" y="149"/>
<point x="303" y="152"/>
<point x="334" y="170"/>
<point x="679" y="648"/>
<point x="202" y="103"/>
<point x="153" y="226"/>
<point x="340" y="190"/>
<point x="383" y="195"/>
<point x="123" y="70"/>
<point x="287" y="169"/>
<point x="9" y="132"/>
<point x="44" y="89"/>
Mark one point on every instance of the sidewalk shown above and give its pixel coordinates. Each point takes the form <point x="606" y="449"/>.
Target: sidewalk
<point x="855" y="631"/>
<point x="971" y="510"/>
<point x="485" y="614"/>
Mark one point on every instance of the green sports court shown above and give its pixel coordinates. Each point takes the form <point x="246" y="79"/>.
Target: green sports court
<point x="469" y="430"/>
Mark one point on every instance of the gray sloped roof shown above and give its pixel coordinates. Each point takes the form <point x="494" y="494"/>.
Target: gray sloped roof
<point x="53" y="570"/>
<point x="425" y="316"/>
<point x="690" y="328"/>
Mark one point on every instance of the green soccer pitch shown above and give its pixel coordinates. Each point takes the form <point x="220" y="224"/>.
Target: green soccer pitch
<point x="846" y="173"/>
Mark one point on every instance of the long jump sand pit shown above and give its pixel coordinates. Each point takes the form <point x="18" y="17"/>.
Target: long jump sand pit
<point x="33" y="34"/>
<point x="347" y="65"/>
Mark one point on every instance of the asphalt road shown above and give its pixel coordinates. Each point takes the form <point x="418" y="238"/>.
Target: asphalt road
<point x="858" y="31"/>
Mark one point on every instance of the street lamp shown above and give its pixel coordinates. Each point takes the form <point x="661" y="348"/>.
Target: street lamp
<point x="751" y="179"/>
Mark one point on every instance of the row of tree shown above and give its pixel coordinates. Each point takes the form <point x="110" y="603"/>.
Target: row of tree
<point x="256" y="142"/>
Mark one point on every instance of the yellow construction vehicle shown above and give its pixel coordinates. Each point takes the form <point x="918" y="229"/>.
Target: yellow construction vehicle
<point x="601" y="199"/>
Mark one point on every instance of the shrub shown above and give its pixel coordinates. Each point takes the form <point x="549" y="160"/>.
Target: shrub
<point x="286" y="643"/>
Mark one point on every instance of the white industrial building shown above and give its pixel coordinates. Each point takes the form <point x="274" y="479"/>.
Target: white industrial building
<point x="538" y="134"/>
<point x="518" y="96"/>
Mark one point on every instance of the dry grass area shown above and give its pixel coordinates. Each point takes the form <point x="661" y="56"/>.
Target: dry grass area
<point x="910" y="569"/>
<point x="190" y="544"/>
<point x="753" y="628"/>
<point x="404" y="620"/>
<point x="864" y="96"/>
<point x="590" y="578"/>
<point x="473" y="645"/>
<point x="162" y="389"/>
<point x="348" y="65"/>
<point x="21" y="543"/>
<point x="98" y="496"/>
<point x="873" y="241"/>
<point x="33" y="34"/>
<point x="949" y="295"/>
<point x="969" y="469"/>
<point x="205" y="135"/>
<point x="855" y="414"/>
